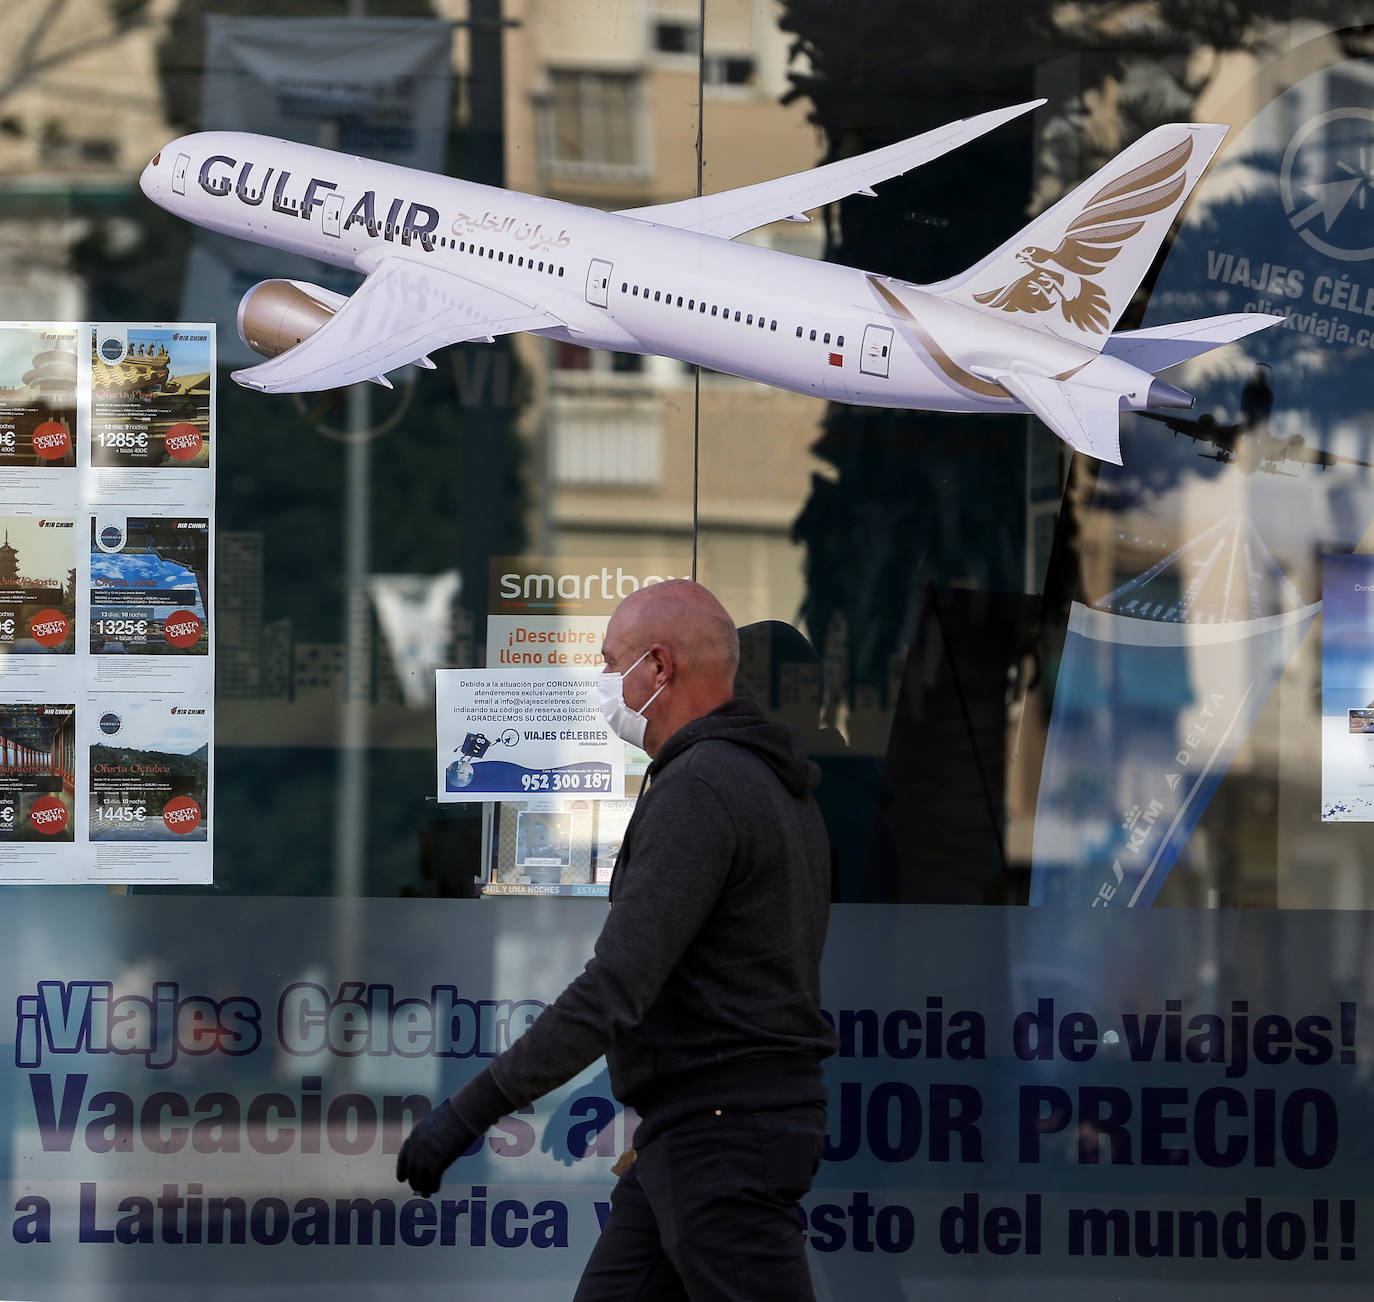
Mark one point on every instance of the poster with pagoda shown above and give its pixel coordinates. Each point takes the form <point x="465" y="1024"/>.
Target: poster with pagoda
<point x="38" y="382"/>
<point x="38" y="560"/>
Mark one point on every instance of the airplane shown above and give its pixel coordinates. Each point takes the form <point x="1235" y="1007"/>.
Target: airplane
<point x="1026" y="329"/>
<point x="1248" y="442"/>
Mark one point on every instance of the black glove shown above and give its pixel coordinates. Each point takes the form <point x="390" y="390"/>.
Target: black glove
<point x="431" y="1148"/>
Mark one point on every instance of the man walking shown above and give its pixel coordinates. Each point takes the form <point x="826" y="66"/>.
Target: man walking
<point x="703" y="992"/>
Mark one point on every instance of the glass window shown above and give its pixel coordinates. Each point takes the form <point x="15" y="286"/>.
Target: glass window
<point x="590" y="122"/>
<point x="1083" y="665"/>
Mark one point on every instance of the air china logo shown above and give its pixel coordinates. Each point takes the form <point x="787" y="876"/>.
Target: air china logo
<point x="178" y="709"/>
<point x="1061" y="277"/>
<point x="57" y="524"/>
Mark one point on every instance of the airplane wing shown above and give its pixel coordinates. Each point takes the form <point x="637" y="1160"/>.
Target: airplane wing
<point x="1204" y="430"/>
<point x="1087" y="419"/>
<point x="394" y="318"/>
<point x="732" y="212"/>
<point x="1299" y="451"/>
<point x="1269" y="449"/>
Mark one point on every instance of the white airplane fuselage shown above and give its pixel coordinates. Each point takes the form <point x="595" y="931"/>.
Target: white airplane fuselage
<point x="622" y="283"/>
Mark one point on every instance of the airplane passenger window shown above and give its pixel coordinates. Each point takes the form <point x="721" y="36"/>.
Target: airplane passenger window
<point x="839" y="341"/>
<point x="679" y="300"/>
<point x="813" y="336"/>
<point x="656" y="296"/>
<point x="799" y="332"/>
<point x="749" y="320"/>
<point x="736" y="316"/>
<point x="826" y="337"/>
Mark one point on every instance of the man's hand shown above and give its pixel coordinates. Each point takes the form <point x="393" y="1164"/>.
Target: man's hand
<point x="434" y="1145"/>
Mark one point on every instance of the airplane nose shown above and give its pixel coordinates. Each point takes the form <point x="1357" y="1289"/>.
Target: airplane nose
<point x="147" y="180"/>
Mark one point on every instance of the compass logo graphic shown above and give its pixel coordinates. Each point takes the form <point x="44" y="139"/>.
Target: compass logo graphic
<point x="1326" y="181"/>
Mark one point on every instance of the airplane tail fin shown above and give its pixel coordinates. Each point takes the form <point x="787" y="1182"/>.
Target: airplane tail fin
<point x="1072" y="271"/>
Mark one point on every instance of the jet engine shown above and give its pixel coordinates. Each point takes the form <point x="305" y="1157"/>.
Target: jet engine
<point x="278" y="314"/>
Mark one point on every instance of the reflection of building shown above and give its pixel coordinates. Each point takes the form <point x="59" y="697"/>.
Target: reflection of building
<point x="239" y="647"/>
<point x="277" y="678"/>
<point x="81" y="117"/>
<point x="260" y="660"/>
<point x="611" y="121"/>
<point x="318" y="667"/>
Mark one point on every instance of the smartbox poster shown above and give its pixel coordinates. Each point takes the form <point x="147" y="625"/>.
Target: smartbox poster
<point x="553" y="610"/>
<point x="38" y="387"/>
<point x="106" y="602"/>
<point x="149" y="585"/>
<point x="150" y="396"/>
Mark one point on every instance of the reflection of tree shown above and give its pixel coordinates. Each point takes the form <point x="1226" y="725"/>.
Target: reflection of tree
<point x="34" y="48"/>
<point x="893" y="516"/>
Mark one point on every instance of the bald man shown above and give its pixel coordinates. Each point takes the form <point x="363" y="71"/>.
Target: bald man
<point x="704" y="990"/>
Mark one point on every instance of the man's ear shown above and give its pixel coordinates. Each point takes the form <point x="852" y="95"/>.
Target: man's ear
<point x="662" y="659"/>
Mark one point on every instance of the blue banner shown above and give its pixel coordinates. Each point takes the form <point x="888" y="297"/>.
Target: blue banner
<point x="207" y="1096"/>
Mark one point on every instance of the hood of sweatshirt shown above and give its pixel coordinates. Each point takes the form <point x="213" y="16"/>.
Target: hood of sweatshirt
<point x="742" y="723"/>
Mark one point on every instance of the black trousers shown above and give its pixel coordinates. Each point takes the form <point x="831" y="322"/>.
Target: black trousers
<point x="708" y="1213"/>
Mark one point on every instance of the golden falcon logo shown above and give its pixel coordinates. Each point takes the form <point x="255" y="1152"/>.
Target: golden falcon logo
<point x="1113" y="215"/>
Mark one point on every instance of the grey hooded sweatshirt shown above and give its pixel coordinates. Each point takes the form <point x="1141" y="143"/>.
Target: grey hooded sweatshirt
<point x="704" y="988"/>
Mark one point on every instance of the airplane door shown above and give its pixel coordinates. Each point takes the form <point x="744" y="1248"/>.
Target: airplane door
<point x="877" y="350"/>
<point x="333" y="208"/>
<point x="179" y="173"/>
<point x="599" y="283"/>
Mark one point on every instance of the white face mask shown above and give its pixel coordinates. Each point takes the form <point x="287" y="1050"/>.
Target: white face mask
<point x="627" y="724"/>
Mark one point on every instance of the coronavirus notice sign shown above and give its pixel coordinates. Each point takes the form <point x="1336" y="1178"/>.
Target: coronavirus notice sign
<point x="515" y="733"/>
<point x="107" y="474"/>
